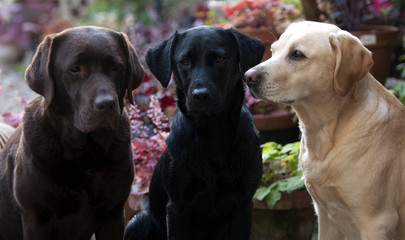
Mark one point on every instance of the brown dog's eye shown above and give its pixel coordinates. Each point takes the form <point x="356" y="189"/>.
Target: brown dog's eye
<point x="115" y="68"/>
<point x="75" y="69"/>
<point x="219" y="59"/>
<point x="185" y="62"/>
<point x="297" y="55"/>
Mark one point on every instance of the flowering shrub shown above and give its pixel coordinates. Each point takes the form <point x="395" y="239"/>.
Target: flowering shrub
<point x="258" y="106"/>
<point x="150" y="128"/>
<point x="24" y="24"/>
<point x="144" y="37"/>
<point x="352" y="14"/>
<point x="279" y="13"/>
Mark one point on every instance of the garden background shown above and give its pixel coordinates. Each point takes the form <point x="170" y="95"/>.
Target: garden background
<point x="24" y="23"/>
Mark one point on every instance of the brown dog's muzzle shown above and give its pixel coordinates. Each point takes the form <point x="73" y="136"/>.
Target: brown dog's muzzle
<point x="105" y="103"/>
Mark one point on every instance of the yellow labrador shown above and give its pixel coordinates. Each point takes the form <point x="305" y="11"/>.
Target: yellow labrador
<point x="353" y="130"/>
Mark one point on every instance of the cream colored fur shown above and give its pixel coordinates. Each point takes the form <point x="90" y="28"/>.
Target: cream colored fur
<point x="353" y="130"/>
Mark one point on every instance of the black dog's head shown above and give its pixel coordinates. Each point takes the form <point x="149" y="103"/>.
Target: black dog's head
<point x="85" y="72"/>
<point x="207" y="63"/>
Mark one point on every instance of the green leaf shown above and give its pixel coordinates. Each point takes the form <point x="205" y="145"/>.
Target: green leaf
<point x="261" y="193"/>
<point x="272" y="198"/>
<point x="294" y="183"/>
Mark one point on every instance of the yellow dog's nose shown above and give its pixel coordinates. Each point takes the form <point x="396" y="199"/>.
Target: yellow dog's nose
<point x="252" y="76"/>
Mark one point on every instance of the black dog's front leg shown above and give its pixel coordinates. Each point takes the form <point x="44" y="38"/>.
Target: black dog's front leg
<point x="241" y="223"/>
<point x="177" y="226"/>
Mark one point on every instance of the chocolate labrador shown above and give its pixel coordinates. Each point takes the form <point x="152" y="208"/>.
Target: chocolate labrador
<point x="203" y="185"/>
<point x="67" y="170"/>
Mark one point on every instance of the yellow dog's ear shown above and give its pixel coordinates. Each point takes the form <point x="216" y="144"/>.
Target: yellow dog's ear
<point x="353" y="61"/>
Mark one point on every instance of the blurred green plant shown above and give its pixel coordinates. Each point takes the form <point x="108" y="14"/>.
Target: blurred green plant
<point x="281" y="172"/>
<point x="401" y="67"/>
<point x="117" y="14"/>
<point x="399" y="92"/>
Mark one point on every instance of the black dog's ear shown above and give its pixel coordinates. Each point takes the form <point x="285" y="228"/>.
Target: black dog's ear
<point x="251" y="50"/>
<point x="135" y="72"/>
<point x="39" y="73"/>
<point x="159" y="60"/>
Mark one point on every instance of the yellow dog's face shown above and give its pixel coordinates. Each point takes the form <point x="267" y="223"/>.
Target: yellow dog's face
<point x="310" y="59"/>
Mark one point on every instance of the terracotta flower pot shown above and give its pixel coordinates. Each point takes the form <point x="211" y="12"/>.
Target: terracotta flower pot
<point x="277" y="126"/>
<point x="267" y="35"/>
<point x="279" y="119"/>
<point x="293" y="217"/>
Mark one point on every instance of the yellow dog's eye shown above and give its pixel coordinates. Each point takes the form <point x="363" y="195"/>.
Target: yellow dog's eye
<point x="297" y="55"/>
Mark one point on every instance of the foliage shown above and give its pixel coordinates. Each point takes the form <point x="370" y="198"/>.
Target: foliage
<point x="117" y="14"/>
<point x="25" y="23"/>
<point x="401" y="67"/>
<point x="352" y="14"/>
<point x="150" y="128"/>
<point x="258" y="106"/>
<point x="399" y="92"/>
<point x="279" y="13"/>
<point x="281" y="172"/>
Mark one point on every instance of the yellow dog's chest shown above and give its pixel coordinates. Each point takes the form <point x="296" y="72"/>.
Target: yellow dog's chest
<point x="328" y="195"/>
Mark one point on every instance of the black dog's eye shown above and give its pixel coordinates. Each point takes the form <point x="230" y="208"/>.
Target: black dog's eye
<point x="185" y="62"/>
<point x="297" y="55"/>
<point x="219" y="59"/>
<point x="75" y="69"/>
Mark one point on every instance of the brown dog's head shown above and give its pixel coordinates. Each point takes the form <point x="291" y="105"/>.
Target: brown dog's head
<point x="85" y="72"/>
<point x="310" y="60"/>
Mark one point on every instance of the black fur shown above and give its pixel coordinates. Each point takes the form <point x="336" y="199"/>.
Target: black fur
<point x="203" y="185"/>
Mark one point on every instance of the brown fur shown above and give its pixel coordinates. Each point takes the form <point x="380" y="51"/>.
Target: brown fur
<point x="67" y="170"/>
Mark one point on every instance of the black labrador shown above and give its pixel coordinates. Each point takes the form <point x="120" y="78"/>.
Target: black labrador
<point x="67" y="170"/>
<point x="203" y="185"/>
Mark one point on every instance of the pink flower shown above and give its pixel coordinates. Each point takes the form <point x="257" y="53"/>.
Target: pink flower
<point x="13" y="119"/>
<point x="379" y="5"/>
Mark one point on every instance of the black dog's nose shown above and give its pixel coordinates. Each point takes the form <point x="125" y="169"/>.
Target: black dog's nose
<point x="252" y="76"/>
<point x="105" y="102"/>
<point x="200" y="94"/>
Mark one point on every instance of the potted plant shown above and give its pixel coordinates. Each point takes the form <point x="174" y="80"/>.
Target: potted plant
<point x="282" y="206"/>
<point x="264" y="19"/>
<point x="274" y="122"/>
<point x="367" y="20"/>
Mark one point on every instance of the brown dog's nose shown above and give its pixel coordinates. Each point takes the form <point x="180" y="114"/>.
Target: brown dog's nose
<point x="105" y="102"/>
<point x="252" y="76"/>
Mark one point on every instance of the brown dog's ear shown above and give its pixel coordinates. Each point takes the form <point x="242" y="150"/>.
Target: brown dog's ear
<point x="250" y="51"/>
<point x="135" y="72"/>
<point x="159" y="60"/>
<point x="39" y="73"/>
<point x="353" y="61"/>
